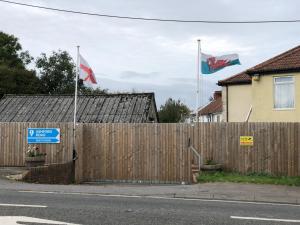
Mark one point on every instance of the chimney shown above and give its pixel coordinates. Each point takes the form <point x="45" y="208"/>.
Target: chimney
<point x="217" y="94"/>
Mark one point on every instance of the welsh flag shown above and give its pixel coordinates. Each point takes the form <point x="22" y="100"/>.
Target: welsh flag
<point x="211" y="64"/>
<point x="85" y="72"/>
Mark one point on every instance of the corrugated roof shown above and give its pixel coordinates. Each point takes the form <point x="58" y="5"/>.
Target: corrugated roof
<point x="287" y="61"/>
<point x="107" y="108"/>
<point x="240" y="78"/>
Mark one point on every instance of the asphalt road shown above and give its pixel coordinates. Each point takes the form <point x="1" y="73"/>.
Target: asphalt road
<point x="101" y="209"/>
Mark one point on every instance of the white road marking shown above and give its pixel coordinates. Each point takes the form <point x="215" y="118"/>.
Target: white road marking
<point x="265" y="219"/>
<point x="161" y="197"/>
<point x="21" y="205"/>
<point x="15" y="220"/>
<point x="39" y="192"/>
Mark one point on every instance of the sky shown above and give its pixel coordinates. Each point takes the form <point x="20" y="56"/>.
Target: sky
<point x="148" y="56"/>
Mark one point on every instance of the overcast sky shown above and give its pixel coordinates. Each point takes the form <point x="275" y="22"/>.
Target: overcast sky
<point x="155" y="57"/>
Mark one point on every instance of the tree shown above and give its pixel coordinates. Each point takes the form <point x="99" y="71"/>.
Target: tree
<point x="18" y="81"/>
<point x="11" y="54"/>
<point x="14" y="77"/>
<point x="90" y="91"/>
<point x="173" y="111"/>
<point x="57" y="75"/>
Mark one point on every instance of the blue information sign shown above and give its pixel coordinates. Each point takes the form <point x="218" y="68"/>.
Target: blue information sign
<point x="43" y="135"/>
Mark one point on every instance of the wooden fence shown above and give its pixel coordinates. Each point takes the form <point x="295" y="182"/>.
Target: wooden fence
<point x="159" y="152"/>
<point x="13" y="143"/>
<point x="155" y="153"/>
<point x="276" y="147"/>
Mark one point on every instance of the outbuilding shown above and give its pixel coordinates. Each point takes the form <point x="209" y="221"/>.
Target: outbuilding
<point x="104" y="108"/>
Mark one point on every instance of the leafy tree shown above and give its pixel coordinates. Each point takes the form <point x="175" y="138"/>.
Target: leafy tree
<point x="90" y="91"/>
<point x="56" y="72"/>
<point x="11" y="54"/>
<point x="18" y="81"/>
<point x="14" y="77"/>
<point x="173" y="111"/>
<point x="57" y="75"/>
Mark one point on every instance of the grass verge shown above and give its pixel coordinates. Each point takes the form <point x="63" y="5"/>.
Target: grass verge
<point x="255" y="178"/>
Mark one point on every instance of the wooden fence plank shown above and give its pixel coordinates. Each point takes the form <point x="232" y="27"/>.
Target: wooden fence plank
<point x="158" y="152"/>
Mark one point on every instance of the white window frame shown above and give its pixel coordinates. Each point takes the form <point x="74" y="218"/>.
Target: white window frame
<point x="274" y="84"/>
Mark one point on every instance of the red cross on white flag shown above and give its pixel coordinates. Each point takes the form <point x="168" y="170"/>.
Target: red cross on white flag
<point x="85" y="72"/>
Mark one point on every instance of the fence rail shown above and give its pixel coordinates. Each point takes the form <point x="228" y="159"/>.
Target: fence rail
<point x="159" y="152"/>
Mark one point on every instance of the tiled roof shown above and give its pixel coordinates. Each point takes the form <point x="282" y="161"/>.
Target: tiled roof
<point x="213" y="107"/>
<point x="107" y="108"/>
<point x="240" y="78"/>
<point x="287" y="61"/>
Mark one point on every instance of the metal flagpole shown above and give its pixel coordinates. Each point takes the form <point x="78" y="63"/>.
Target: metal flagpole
<point x="198" y="79"/>
<point x="75" y="106"/>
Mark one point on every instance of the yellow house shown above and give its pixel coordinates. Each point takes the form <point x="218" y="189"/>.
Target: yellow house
<point x="267" y="92"/>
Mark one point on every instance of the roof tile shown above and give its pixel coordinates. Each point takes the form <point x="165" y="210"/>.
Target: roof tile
<point x="287" y="61"/>
<point x="240" y="78"/>
<point x="213" y="107"/>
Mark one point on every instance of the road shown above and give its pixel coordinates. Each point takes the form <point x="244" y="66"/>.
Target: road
<point x="92" y="209"/>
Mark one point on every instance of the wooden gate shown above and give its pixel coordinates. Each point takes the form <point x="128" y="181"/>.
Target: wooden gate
<point x="148" y="153"/>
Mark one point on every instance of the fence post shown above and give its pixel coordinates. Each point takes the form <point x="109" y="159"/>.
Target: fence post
<point x="79" y="148"/>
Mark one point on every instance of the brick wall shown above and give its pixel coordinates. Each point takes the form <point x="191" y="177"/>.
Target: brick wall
<point x="60" y="173"/>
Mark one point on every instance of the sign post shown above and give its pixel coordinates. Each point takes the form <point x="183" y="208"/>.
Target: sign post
<point x="43" y="135"/>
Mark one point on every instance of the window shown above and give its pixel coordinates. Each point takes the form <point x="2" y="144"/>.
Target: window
<point x="284" y="93"/>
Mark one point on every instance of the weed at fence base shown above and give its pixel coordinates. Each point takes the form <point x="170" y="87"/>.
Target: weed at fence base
<point x="255" y="178"/>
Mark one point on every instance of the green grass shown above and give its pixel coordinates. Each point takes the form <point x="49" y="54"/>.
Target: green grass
<point x="255" y="178"/>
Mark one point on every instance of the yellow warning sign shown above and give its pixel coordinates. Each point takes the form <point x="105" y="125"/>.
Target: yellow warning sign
<point x="246" y="140"/>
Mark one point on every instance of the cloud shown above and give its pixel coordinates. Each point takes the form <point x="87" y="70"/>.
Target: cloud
<point x="211" y="44"/>
<point x="177" y="89"/>
<point x="134" y="75"/>
<point x="153" y="56"/>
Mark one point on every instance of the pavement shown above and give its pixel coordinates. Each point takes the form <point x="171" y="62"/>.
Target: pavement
<point x="91" y="204"/>
<point x="21" y="207"/>
<point x="221" y="191"/>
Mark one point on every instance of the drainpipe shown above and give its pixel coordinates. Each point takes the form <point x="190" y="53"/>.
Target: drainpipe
<point x="227" y="114"/>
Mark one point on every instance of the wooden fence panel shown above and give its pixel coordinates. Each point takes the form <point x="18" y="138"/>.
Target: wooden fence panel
<point x="159" y="152"/>
<point x="155" y="153"/>
<point x="275" y="149"/>
<point x="13" y="143"/>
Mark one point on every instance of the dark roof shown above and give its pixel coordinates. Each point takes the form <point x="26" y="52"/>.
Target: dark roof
<point x="288" y="61"/>
<point x="214" y="106"/>
<point x="106" y="108"/>
<point x="240" y="78"/>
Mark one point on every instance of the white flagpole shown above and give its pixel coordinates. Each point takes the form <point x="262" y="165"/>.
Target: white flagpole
<point x="75" y="105"/>
<point x="198" y="79"/>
